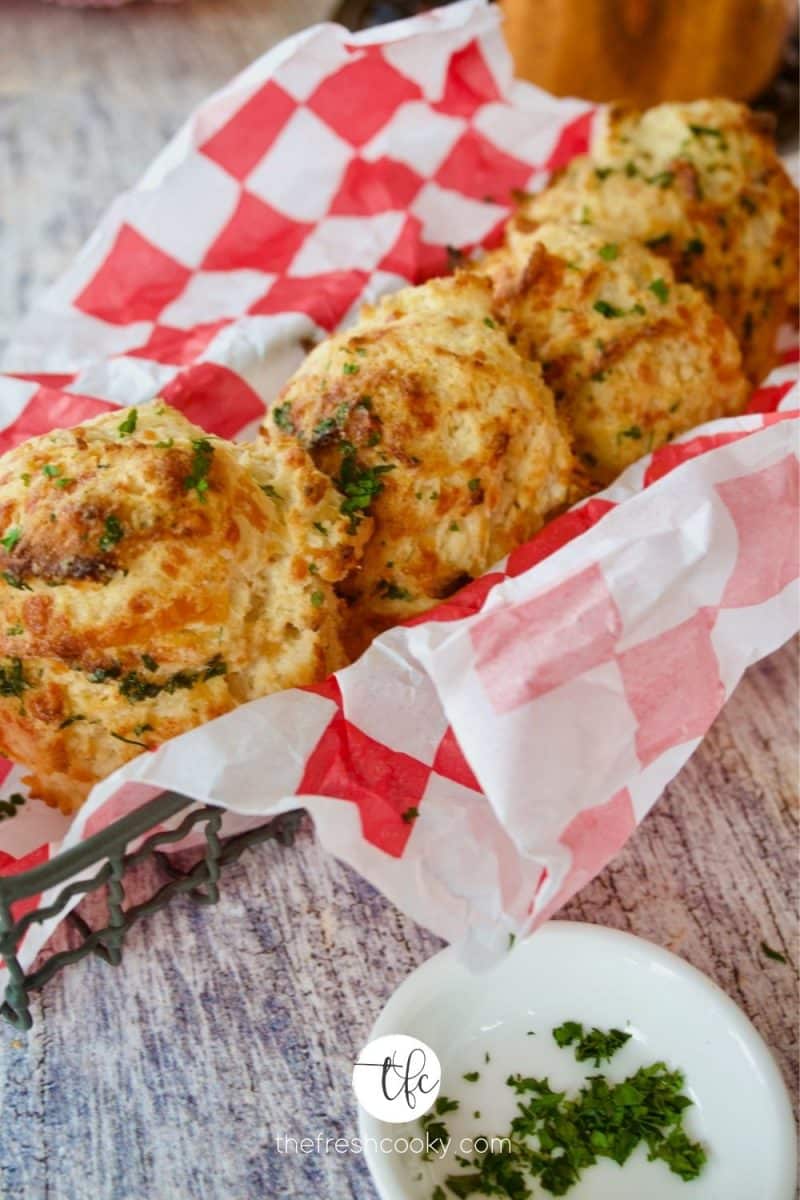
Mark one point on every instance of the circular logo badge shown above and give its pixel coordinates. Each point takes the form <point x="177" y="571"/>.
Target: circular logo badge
<point x="397" y="1078"/>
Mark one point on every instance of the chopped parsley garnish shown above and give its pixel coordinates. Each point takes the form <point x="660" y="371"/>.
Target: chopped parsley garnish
<point x="71" y="720"/>
<point x="695" y="246"/>
<point x="663" y="179"/>
<point x="775" y="955"/>
<point x="14" y="630"/>
<point x="609" y="252"/>
<point x="633" y="432"/>
<point x="26" y="479"/>
<point x="129" y="741"/>
<point x="489" y="323"/>
<point x="554" y="1137"/>
<point x="350" y="368"/>
<point x="706" y="131"/>
<point x="586" y="215"/>
<point x="607" y="310"/>
<point x="12" y="679"/>
<point x="323" y="429"/>
<point x="113" y="533"/>
<point x="471" y="1076"/>
<point x="317" y="599"/>
<point x="197" y="479"/>
<point x="128" y="426"/>
<point x="134" y="688"/>
<point x="359" y="484"/>
<point x="595" y="1045"/>
<point x="282" y="416"/>
<point x="390" y="590"/>
<point x="166" y="445"/>
<point x="410" y="815"/>
<point x="332" y="424"/>
<point x="50" y="471"/>
<point x="14" y="581"/>
<point x="567" y="1033"/>
<point x="603" y="172"/>
<point x="8" y="808"/>
<point x="320" y="528"/>
<point x="474" y="485"/>
<point x="610" y="310"/>
<point x="270" y="491"/>
<point x="214" y="668"/>
<point x="11" y="538"/>
<point x="660" y="288"/>
<point x="103" y="674"/>
<point x="435" y="1130"/>
<point x="454" y="527"/>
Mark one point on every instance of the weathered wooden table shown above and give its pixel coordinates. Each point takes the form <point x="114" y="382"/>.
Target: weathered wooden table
<point x="172" y="1077"/>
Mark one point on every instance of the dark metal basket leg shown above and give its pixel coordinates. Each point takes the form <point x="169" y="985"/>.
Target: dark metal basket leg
<point x="210" y="894"/>
<point x="15" y="1007"/>
<point x="115" y="933"/>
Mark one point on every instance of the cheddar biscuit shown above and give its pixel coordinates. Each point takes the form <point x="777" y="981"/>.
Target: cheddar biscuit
<point x="633" y="357"/>
<point x="701" y="185"/>
<point x="152" y="578"/>
<point x="426" y="416"/>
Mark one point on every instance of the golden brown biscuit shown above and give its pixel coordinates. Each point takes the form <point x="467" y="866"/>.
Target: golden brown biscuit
<point x="632" y="357"/>
<point x="702" y="186"/>
<point x="426" y="416"/>
<point x="153" y="577"/>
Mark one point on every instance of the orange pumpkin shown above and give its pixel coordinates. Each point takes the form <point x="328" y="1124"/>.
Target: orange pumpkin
<point x="647" y="50"/>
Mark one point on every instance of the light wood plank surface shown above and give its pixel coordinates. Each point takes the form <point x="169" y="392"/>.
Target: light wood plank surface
<point x="170" y="1077"/>
<point x="87" y="99"/>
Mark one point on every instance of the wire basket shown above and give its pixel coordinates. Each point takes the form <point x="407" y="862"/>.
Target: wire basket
<point x="107" y="858"/>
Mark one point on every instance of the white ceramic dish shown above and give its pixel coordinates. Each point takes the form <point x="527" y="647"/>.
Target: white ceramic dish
<point x="571" y="971"/>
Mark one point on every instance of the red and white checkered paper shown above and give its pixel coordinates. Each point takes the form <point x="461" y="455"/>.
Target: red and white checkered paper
<point x="533" y="719"/>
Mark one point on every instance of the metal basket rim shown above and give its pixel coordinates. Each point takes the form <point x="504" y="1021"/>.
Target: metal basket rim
<point x="113" y="838"/>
